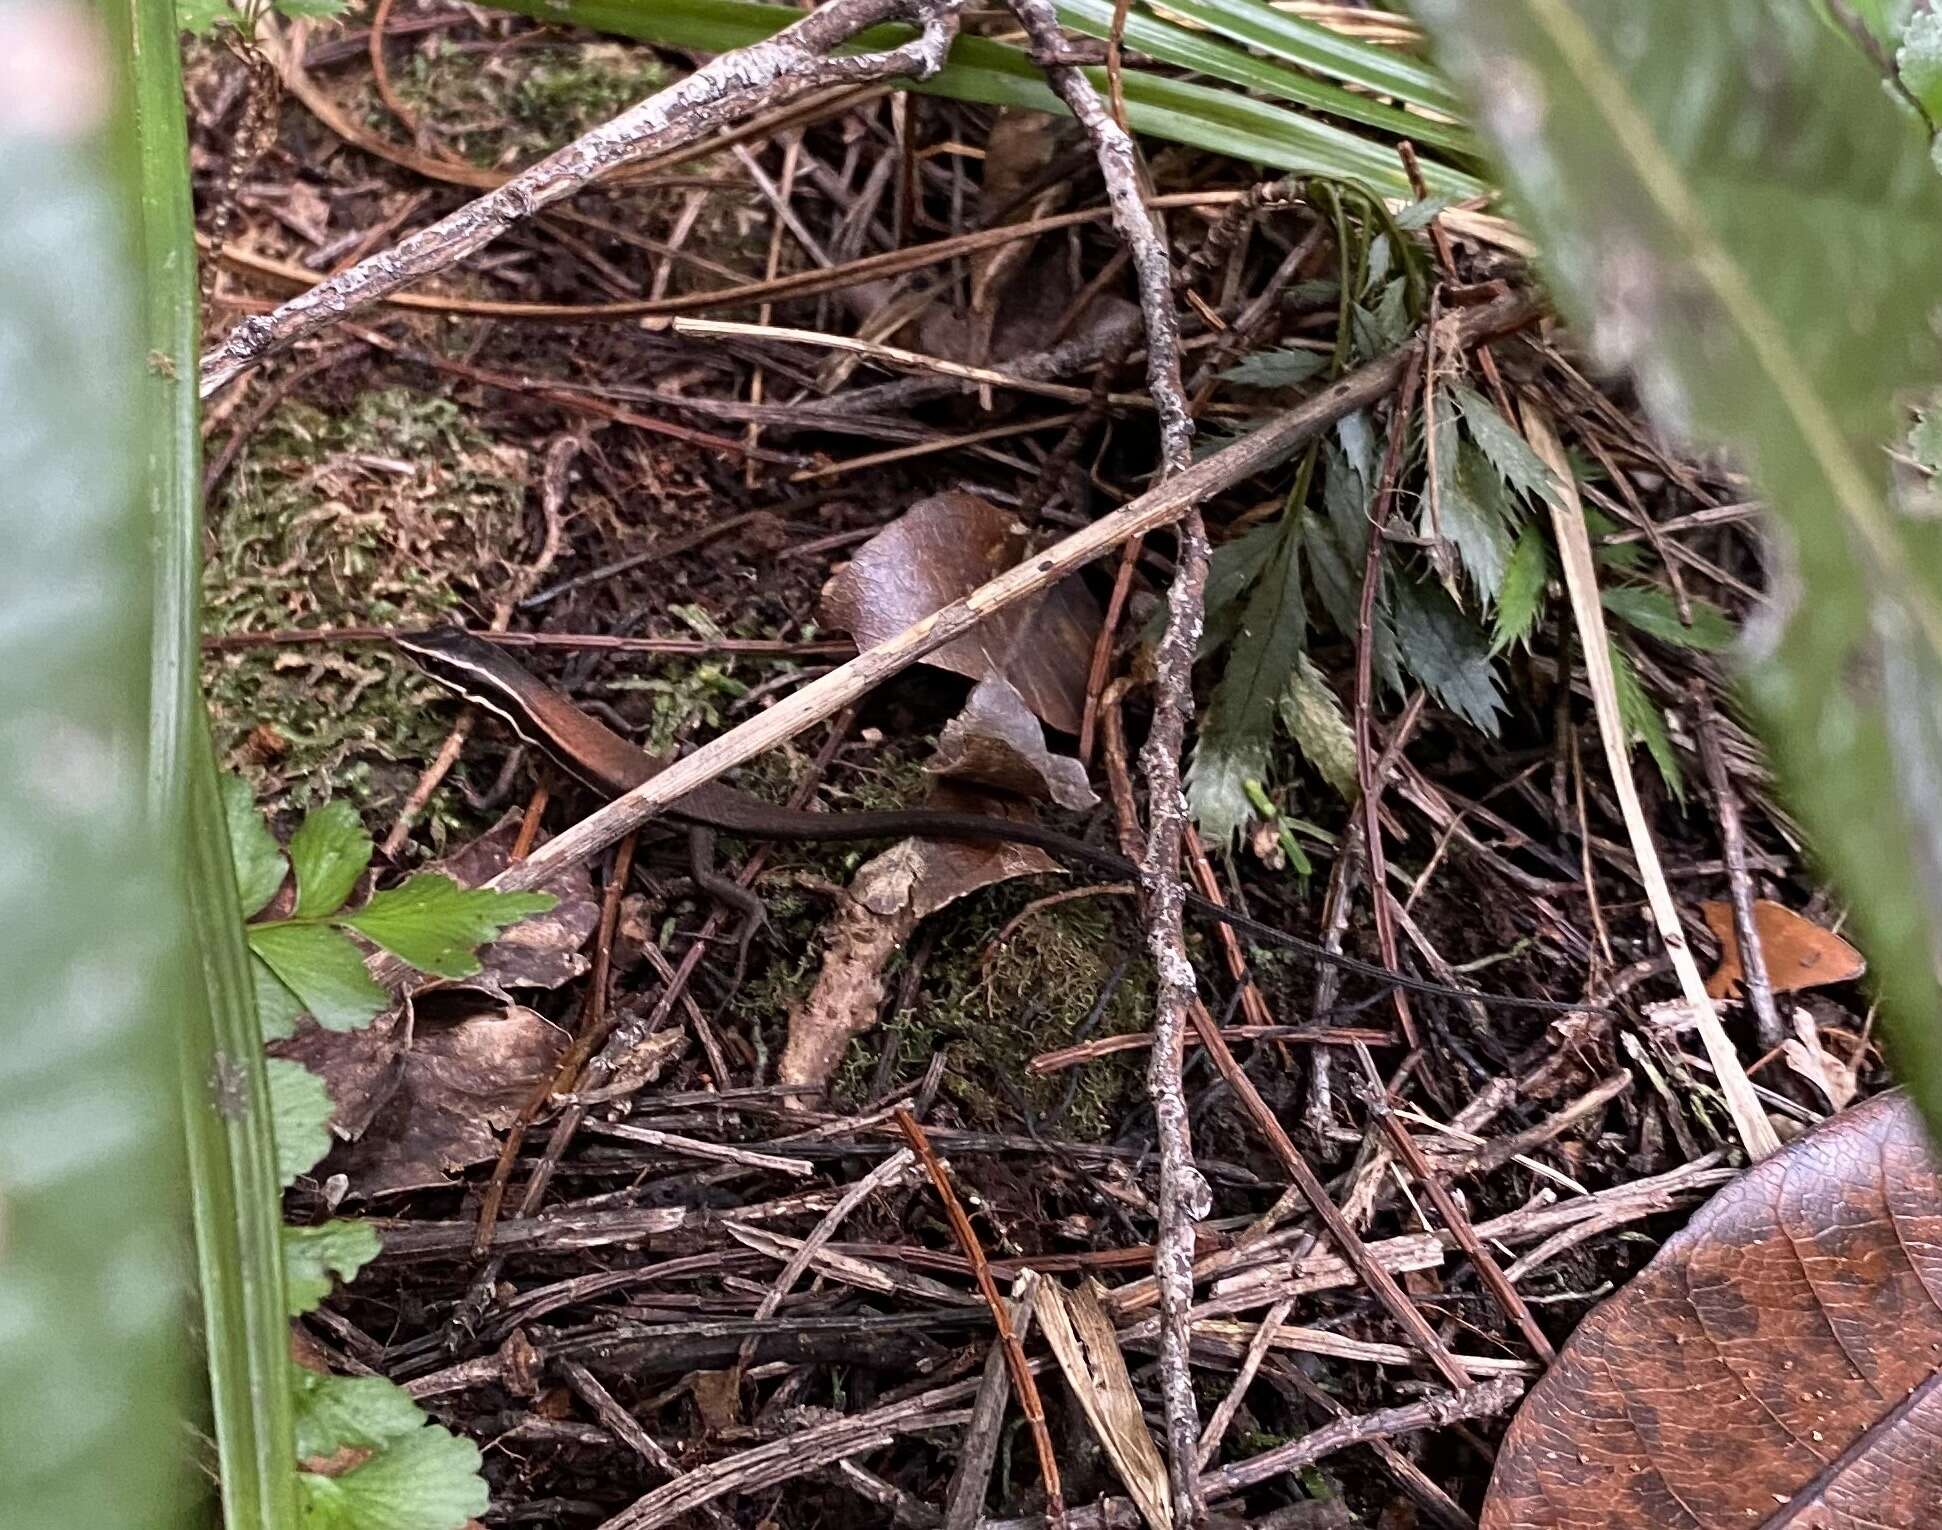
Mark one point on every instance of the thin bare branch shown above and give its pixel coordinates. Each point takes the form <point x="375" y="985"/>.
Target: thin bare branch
<point x="779" y="69"/>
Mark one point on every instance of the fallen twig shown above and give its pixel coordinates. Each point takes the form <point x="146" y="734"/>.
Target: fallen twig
<point x="1184" y="1197"/>
<point x="782" y="68"/>
<point x="848" y="682"/>
<point x="1014" y="1352"/>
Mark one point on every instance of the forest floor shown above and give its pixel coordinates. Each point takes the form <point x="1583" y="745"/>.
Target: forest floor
<point x="542" y="447"/>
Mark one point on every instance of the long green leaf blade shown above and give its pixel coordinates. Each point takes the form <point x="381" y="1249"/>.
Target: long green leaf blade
<point x="1728" y="188"/>
<point x="1174" y="44"/>
<point x="1310" y="45"/>
<point x="1215" y="118"/>
<point x="233" y="1176"/>
<point x="94" y="1362"/>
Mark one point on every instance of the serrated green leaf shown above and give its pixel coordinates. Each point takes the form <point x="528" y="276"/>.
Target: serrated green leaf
<point x="328" y="852"/>
<point x="1379" y="330"/>
<point x="1477" y="517"/>
<point x="201" y="17"/>
<point x="1216" y="782"/>
<point x="437" y="926"/>
<point x="1376" y="264"/>
<point x="313" y="1255"/>
<point x="1234" y="566"/>
<point x="299" y="1118"/>
<point x="1338" y="582"/>
<point x="1504" y="445"/>
<point x="1521" y="596"/>
<point x="1345" y="495"/>
<point x="351" y="1413"/>
<point x="426" y="1480"/>
<point x="253" y="848"/>
<point x="312" y="10"/>
<point x="277" y="1009"/>
<point x="1644" y="723"/>
<point x="1262" y="655"/>
<point x="1358" y="438"/>
<point x="1240" y="714"/>
<point x="1447" y="652"/>
<point x="1280" y="368"/>
<point x="1651" y="610"/>
<point x="323" y="969"/>
<point x="1315" y="721"/>
<point x="1919" y="59"/>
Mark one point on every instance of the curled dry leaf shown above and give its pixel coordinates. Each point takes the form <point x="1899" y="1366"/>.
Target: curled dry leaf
<point x="463" y="1079"/>
<point x="940" y="550"/>
<point x="1800" y="954"/>
<point x="1779" y="1363"/>
<point x="1820" y="1067"/>
<point x="997" y="742"/>
<point x="887" y="899"/>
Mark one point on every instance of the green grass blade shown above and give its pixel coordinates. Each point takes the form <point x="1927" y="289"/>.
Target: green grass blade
<point x="1318" y="49"/>
<point x="1730" y="190"/>
<point x="95" y="1364"/>
<point x="1249" y="21"/>
<point x="1219" y="119"/>
<point x="233" y="1177"/>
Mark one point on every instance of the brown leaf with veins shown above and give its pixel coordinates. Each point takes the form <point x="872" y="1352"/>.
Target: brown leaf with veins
<point x="1778" y="1364"/>
<point x="940" y="550"/>
<point x="1800" y="954"/>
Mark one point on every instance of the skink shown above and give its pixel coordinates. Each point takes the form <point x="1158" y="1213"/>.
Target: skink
<point x="601" y="759"/>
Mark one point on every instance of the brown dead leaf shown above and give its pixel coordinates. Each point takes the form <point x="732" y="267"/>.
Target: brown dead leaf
<point x="1018" y="151"/>
<point x="1779" y="1363"/>
<point x="887" y="899"/>
<point x="463" y="1079"/>
<point x="940" y="550"/>
<point x="1800" y="954"/>
<point x="718" y="1399"/>
<point x="997" y="742"/>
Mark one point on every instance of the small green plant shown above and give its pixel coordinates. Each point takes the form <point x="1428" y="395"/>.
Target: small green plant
<point x="306" y="960"/>
<point x="369" y="1458"/>
<point x="1441" y="619"/>
<point x="203" y="18"/>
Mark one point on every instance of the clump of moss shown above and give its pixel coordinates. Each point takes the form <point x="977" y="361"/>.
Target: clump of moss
<point x="1034" y="994"/>
<point x="562" y="93"/>
<point x="507" y="107"/>
<point x="388" y="513"/>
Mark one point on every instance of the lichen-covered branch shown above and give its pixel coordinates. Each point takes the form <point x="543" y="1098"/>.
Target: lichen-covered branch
<point x="1183" y="1197"/>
